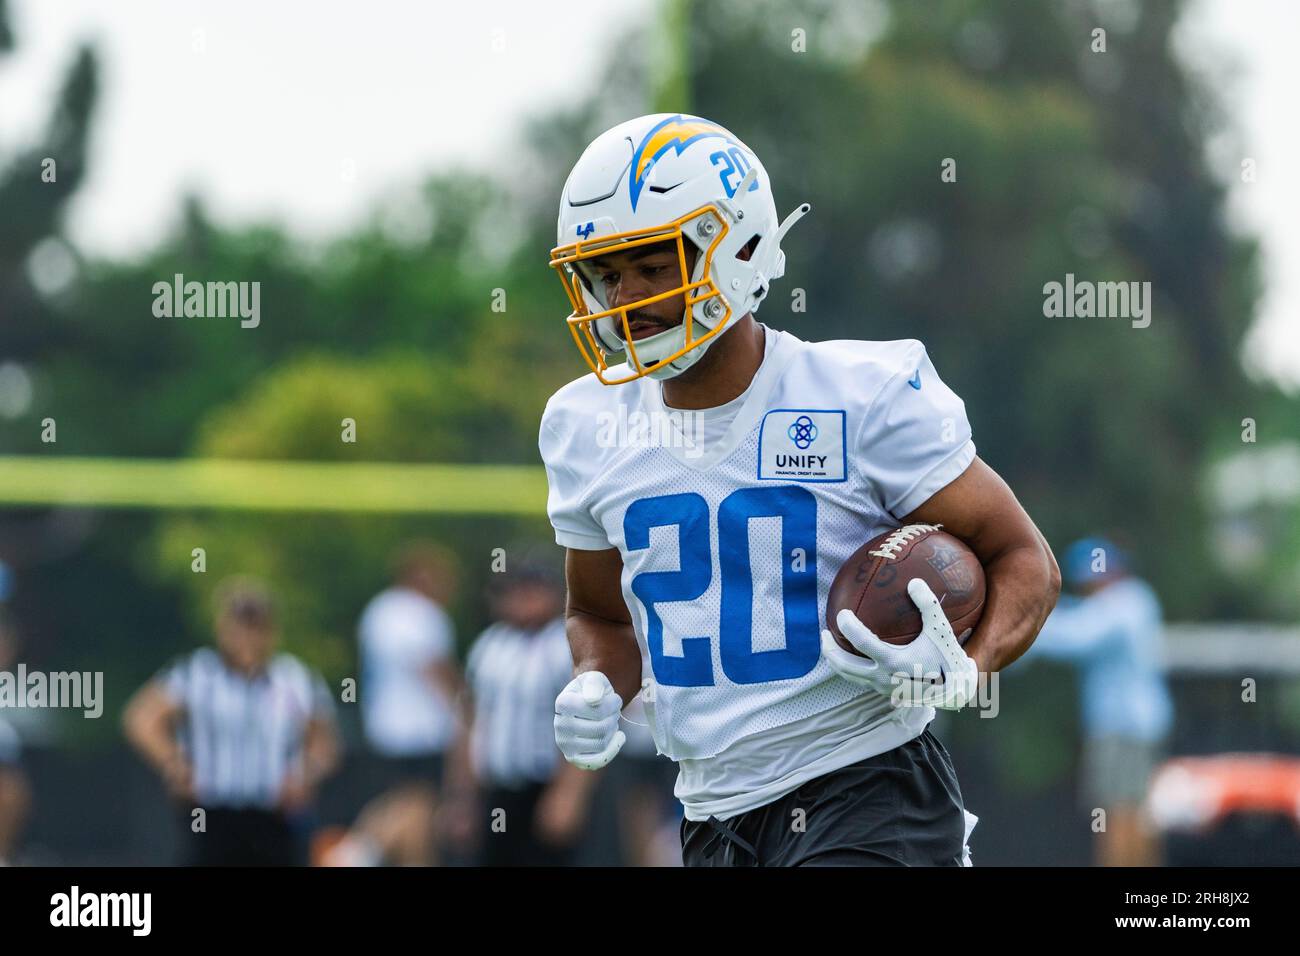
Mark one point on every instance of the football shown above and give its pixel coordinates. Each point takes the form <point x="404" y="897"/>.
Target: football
<point x="873" y="584"/>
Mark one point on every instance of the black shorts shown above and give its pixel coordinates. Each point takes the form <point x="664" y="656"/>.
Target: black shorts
<point x="517" y="843"/>
<point x="240" y="837"/>
<point x="899" y="808"/>
<point x="388" y="773"/>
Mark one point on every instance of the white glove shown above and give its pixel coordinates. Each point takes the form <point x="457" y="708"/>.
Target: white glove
<point x="586" y="721"/>
<point x="932" y="671"/>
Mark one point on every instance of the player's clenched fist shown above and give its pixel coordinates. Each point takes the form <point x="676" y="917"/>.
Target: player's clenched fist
<point x="586" y="721"/>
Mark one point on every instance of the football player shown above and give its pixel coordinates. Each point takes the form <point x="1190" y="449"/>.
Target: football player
<point x="708" y="479"/>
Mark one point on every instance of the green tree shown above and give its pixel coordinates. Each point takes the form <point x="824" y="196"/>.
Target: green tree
<point x="406" y="408"/>
<point x="33" y="197"/>
<point x="1067" y="161"/>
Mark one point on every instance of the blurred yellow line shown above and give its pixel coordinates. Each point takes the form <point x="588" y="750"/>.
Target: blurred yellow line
<point x="273" y="485"/>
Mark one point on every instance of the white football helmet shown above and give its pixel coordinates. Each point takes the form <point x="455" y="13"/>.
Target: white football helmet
<point x="667" y="177"/>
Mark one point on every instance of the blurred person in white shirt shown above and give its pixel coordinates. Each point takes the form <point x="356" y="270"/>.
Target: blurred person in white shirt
<point x="409" y="683"/>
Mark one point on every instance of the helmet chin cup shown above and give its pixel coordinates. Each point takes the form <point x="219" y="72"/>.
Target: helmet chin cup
<point x="653" y="349"/>
<point x="670" y="341"/>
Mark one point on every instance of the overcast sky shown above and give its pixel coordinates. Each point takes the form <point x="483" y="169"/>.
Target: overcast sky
<point x="309" y="112"/>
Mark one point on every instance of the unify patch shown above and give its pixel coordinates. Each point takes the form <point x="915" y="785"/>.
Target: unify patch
<point x="802" y="444"/>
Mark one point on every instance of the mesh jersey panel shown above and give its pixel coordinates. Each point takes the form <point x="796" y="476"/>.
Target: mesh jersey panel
<point x="706" y="719"/>
<point x="736" y="667"/>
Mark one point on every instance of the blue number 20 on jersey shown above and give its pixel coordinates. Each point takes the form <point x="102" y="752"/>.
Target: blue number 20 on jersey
<point x="797" y="509"/>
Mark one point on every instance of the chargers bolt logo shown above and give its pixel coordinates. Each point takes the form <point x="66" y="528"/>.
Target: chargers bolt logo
<point x="674" y="133"/>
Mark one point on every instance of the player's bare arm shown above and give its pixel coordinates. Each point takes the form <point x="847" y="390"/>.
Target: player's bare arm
<point x="1022" y="579"/>
<point x="598" y="623"/>
<point x="606" y="659"/>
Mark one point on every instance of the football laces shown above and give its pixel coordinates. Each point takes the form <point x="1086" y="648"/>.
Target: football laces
<point x="890" y="547"/>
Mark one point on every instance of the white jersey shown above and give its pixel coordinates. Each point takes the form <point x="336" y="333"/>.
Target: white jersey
<point x="403" y="634"/>
<point x="729" y="548"/>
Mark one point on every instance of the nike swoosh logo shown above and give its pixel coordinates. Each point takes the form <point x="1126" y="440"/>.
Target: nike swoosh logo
<point x="664" y="189"/>
<point x="915" y="380"/>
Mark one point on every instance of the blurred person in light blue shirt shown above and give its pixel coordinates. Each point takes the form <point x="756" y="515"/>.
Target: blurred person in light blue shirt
<point x="1110" y="629"/>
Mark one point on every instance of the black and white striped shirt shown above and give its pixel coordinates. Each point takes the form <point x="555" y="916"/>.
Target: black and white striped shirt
<point x="515" y="676"/>
<point x="243" y="734"/>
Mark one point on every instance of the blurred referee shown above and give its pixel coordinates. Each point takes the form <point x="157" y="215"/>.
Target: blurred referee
<point x="531" y="805"/>
<point x="243" y="733"/>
